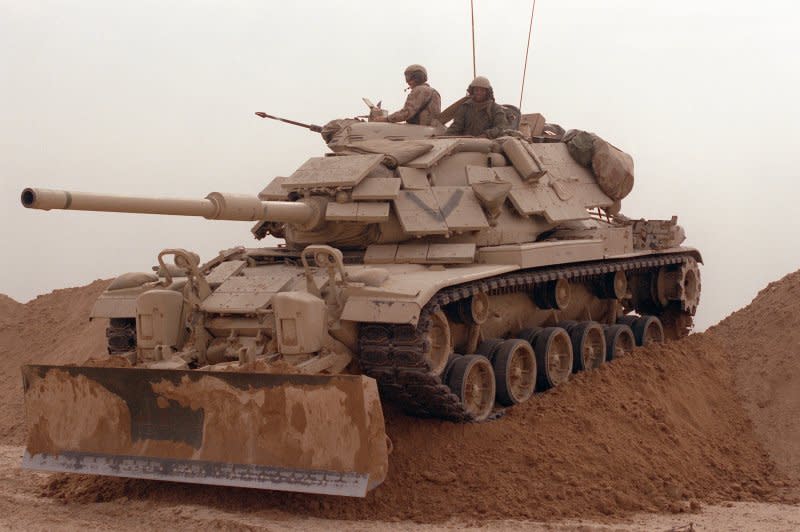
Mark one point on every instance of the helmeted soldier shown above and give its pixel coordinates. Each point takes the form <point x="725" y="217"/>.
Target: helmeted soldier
<point x="423" y="104"/>
<point x="479" y="116"/>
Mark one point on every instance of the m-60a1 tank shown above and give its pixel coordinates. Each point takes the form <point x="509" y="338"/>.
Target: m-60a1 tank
<point x="453" y="276"/>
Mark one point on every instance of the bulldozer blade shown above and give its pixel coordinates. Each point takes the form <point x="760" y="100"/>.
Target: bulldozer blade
<point x="306" y="433"/>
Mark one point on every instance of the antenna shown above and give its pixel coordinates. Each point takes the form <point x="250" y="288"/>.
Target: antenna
<point x="525" y="67"/>
<point x="472" y="16"/>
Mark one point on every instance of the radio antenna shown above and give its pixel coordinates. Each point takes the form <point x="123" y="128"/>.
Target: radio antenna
<point x="472" y="16"/>
<point x="527" y="49"/>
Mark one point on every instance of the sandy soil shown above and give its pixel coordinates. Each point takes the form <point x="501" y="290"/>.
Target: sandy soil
<point x="53" y="328"/>
<point x="24" y="505"/>
<point x="700" y="431"/>
<point x="763" y="340"/>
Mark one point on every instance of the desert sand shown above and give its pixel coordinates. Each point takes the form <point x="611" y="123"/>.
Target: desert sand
<point x="699" y="433"/>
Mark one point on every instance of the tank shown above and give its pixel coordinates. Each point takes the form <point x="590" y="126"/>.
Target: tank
<point x="452" y="276"/>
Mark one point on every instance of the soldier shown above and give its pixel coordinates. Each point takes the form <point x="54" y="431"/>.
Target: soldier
<point x="423" y="104"/>
<point x="479" y="116"/>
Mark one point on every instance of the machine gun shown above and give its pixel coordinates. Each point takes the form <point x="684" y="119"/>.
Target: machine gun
<point x="312" y="127"/>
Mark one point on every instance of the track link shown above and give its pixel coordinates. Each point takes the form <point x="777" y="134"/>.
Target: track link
<point x="394" y="354"/>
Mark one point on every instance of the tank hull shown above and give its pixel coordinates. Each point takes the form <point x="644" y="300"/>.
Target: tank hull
<point x="321" y="433"/>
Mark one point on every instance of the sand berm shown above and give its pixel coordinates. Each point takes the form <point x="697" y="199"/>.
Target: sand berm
<point x="707" y="419"/>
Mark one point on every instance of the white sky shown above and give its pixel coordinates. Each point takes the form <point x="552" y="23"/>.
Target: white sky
<point x="157" y="97"/>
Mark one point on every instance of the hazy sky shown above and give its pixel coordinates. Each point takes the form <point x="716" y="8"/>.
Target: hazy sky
<point x="157" y="97"/>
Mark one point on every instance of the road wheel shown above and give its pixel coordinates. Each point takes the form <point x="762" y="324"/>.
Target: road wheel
<point x="438" y="343"/>
<point x="529" y="335"/>
<point x="553" y="349"/>
<point x="472" y="380"/>
<point x="619" y="341"/>
<point x="515" y="371"/>
<point x="488" y="348"/>
<point x="588" y="345"/>
<point x="648" y="330"/>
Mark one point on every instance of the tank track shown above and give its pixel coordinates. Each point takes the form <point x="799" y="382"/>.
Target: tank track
<point x="394" y="354"/>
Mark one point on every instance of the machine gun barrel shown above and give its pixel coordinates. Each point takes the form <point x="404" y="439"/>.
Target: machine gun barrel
<point x="215" y="206"/>
<point x="312" y="127"/>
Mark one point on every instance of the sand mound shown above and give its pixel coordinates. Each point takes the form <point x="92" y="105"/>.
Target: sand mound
<point x="662" y="429"/>
<point x="9" y="308"/>
<point x="763" y="343"/>
<point x="53" y="328"/>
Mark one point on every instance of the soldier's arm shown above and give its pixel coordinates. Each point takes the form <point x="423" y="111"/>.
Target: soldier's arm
<point x="416" y="100"/>
<point x="457" y="127"/>
<point x="499" y="123"/>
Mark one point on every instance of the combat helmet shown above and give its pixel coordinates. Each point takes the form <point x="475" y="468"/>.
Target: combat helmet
<point x="417" y="71"/>
<point x="482" y="82"/>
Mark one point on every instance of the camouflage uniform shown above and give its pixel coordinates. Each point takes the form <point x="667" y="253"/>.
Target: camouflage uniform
<point x="485" y="118"/>
<point x="422" y="106"/>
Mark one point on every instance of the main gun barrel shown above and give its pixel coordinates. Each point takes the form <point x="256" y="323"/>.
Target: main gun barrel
<point x="215" y="206"/>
